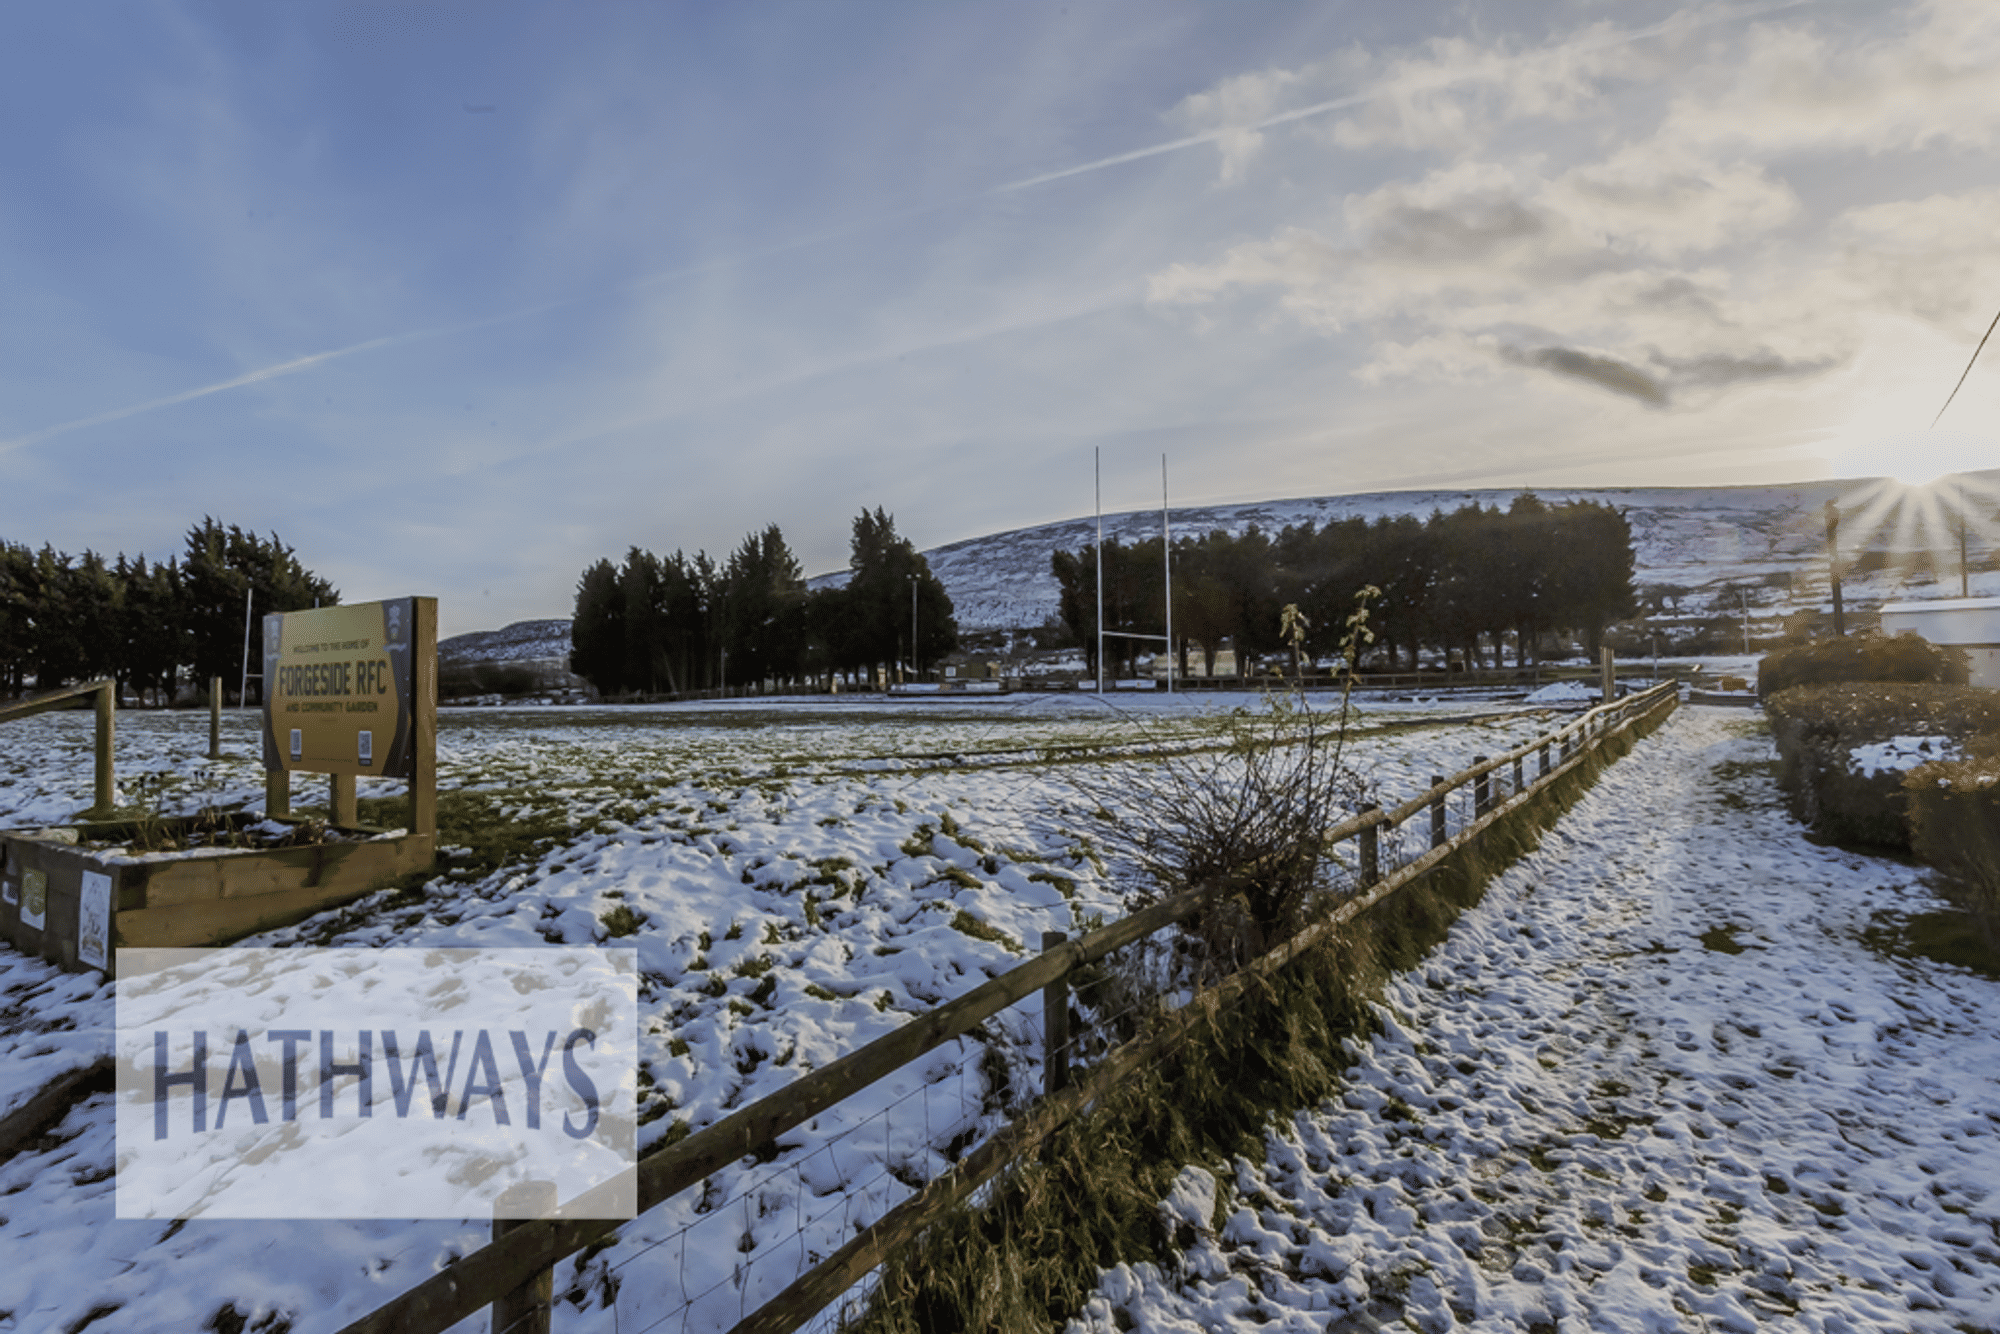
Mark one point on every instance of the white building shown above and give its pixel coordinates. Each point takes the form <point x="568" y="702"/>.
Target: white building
<point x="1970" y="624"/>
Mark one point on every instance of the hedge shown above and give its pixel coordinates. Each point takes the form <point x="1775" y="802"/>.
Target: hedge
<point x="1866" y="657"/>
<point x="1817" y="728"/>
<point x="1954" y="812"/>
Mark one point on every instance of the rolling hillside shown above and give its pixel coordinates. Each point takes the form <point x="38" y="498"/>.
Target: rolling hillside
<point x="1703" y="550"/>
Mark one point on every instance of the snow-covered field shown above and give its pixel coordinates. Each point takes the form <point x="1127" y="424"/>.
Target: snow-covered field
<point x="1656" y="1081"/>
<point x="1587" y="1112"/>
<point x="798" y="878"/>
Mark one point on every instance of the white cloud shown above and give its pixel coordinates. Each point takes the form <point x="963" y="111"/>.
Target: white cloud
<point x="1235" y="110"/>
<point x="1795" y="87"/>
<point x="1456" y="93"/>
<point x="1664" y="257"/>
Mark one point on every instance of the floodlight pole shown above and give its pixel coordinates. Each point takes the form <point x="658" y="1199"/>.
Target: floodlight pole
<point x="914" y="661"/>
<point x="1097" y="456"/>
<point x="243" y="690"/>
<point x="1167" y="560"/>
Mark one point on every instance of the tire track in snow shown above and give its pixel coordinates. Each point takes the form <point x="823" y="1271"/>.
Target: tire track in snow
<point x="1653" y="1082"/>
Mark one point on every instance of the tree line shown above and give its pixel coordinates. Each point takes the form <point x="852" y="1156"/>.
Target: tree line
<point x="673" y="624"/>
<point x="1462" y="581"/>
<point x="65" y="619"/>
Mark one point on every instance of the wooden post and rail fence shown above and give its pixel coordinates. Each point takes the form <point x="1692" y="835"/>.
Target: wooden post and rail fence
<point x="511" y="1275"/>
<point x="103" y="787"/>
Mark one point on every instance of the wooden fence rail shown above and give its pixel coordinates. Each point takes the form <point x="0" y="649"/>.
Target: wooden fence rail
<point x="515" y="1258"/>
<point x="107" y="716"/>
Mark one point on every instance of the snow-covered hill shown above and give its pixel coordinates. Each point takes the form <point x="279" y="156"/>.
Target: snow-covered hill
<point x="1680" y="537"/>
<point x="1704" y="544"/>
<point x="523" y="641"/>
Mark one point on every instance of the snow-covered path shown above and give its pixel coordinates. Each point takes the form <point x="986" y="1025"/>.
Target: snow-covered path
<point x="1655" y="1081"/>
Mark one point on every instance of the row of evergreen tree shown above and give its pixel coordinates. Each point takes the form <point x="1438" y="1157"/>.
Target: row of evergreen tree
<point x="657" y="625"/>
<point x="65" y="619"/>
<point x="1456" y="582"/>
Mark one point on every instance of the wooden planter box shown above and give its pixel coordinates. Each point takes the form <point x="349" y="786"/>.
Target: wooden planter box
<point x="199" y="898"/>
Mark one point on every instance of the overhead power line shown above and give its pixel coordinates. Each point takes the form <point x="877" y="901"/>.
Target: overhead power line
<point x="1967" y="371"/>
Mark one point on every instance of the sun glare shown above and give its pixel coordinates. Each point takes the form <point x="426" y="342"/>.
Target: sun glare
<point x="1919" y="458"/>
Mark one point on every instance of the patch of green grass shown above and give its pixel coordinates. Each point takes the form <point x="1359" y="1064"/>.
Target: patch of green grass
<point x="621" y="921"/>
<point x="1064" y="885"/>
<point x="966" y="923"/>
<point x="961" y="877"/>
<point x="489" y="829"/>
<point x="1950" y="936"/>
<point x="1722" y="940"/>
<point x="1401" y="1112"/>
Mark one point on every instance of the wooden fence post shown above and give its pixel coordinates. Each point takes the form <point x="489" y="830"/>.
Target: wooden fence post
<point x="1543" y="753"/>
<point x="344" y="808"/>
<point x="1055" y="1024"/>
<point x="525" y="1310"/>
<point x="1482" y="789"/>
<point x="107" y="721"/>
<point x="1438" y="835"/>
<point x="215" y="717"/>
<point x="1519" y="782"/>
<point x="1371" y="851"/>
<point x="423" y="716"/>
<point x="1607" y="674"/>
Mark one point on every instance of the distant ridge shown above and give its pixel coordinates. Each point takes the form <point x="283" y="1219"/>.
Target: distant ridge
<point x="523" y="641"/>
<point x="1681" y="535"/>
<point x="1700" y="539"/>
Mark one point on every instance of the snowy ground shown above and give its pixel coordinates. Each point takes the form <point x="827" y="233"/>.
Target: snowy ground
<point x="1654" y="1082"/>
<point x="797" y="877"/>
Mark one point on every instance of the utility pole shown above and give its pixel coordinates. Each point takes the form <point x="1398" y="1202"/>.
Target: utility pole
<point x="1959" y="509"/>
<point x="1833" y="565"/>
<point x="915" y="662"/>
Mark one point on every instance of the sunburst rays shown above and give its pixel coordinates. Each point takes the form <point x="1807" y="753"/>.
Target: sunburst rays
<point x="1944" y="525"/>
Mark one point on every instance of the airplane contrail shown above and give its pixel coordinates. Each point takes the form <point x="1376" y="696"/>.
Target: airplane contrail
<point x="1358" y="99"/>
<point x="298" y="364"/>
<point x="272" y="372"/>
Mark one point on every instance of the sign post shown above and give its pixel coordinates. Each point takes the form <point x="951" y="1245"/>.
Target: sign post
<point x="351" y="692"/>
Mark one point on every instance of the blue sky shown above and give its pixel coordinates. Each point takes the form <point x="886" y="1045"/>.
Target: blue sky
<point x="458" y="297"/>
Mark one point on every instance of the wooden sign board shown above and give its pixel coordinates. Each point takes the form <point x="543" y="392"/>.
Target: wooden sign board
<point x="352" y="692"/>
<point x="340" y="689"/>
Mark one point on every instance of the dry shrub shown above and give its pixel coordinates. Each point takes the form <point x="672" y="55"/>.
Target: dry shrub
<point x="1246" y="821"/>
<point x="1868" y="657"/>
